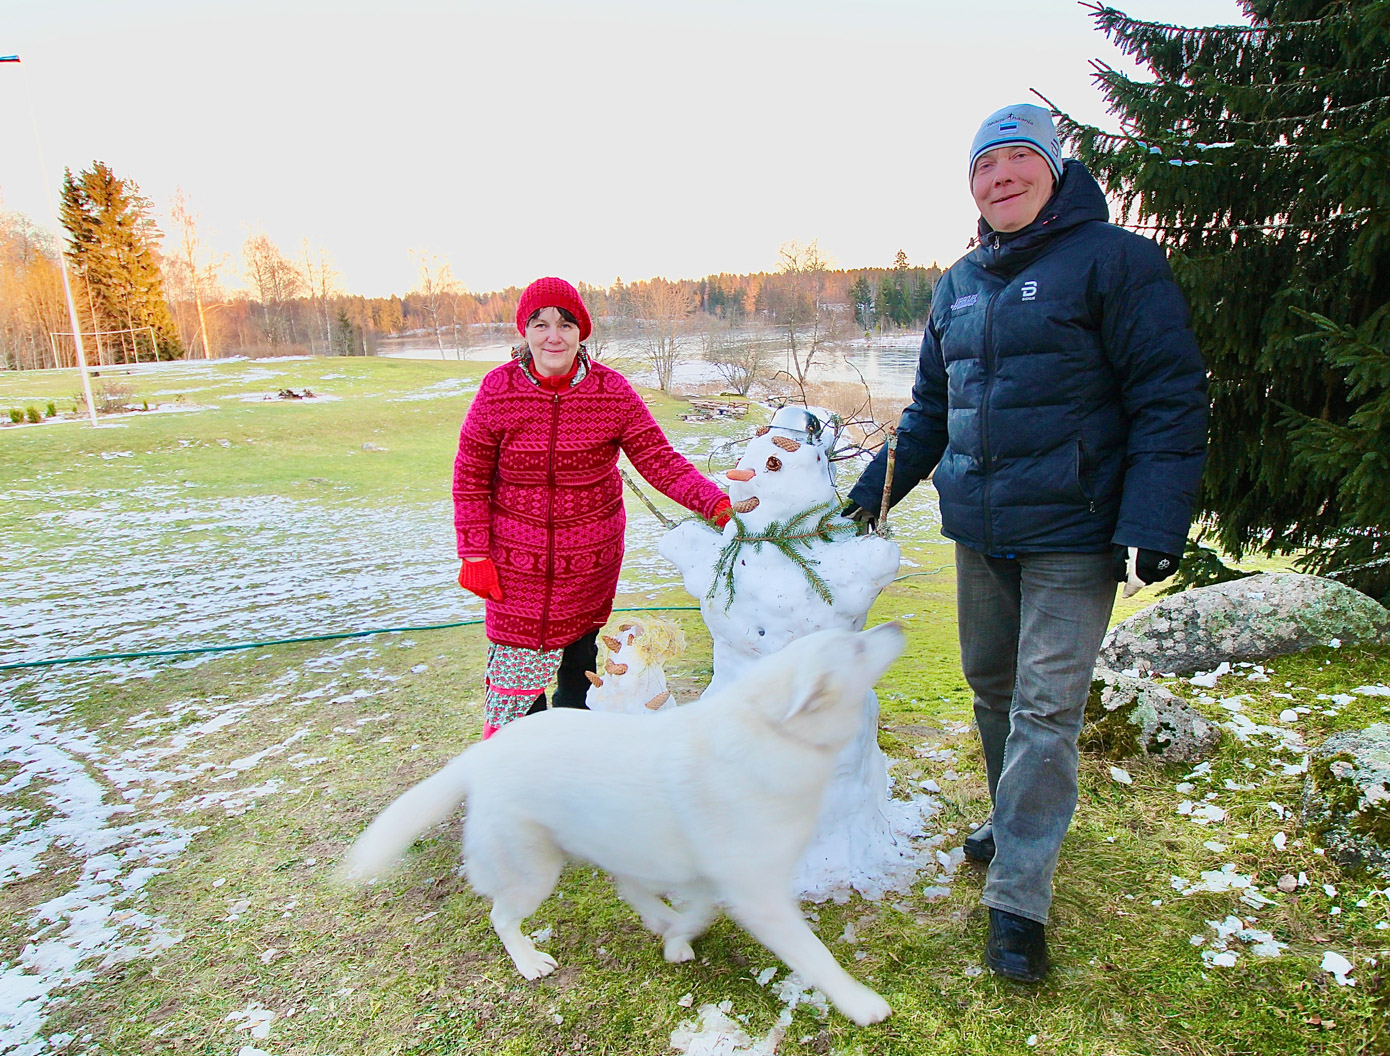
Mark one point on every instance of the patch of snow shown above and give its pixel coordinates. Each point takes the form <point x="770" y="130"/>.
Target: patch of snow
<point x="90" y="924"/>
<point x="1218" y="954"/>
<point x="1201" y="813"/>
<point x="1214" y="959"/>
<point x="253" y="1018"/>
<point x="715" y="1034"/>
<point x="1207" y="679"/>
<point x="1227" y="878"/>
<point x="448" y="389"/>
<point x="1339" y="967"/>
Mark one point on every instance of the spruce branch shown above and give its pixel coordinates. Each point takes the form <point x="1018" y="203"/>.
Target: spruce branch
<point x="792" y="538"/>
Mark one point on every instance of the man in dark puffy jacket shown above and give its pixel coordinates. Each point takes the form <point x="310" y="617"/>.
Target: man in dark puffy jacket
<point x="1061" y="400"/>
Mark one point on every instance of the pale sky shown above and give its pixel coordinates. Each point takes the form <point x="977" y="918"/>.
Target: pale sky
<point x="533" y="137"/>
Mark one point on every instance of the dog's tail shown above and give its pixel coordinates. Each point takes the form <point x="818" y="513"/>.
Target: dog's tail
<point x="400" y="824"/>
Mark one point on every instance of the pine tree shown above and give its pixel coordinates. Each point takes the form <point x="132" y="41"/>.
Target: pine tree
<point x="113" y="248"/>
<point x="1257" y="155"/>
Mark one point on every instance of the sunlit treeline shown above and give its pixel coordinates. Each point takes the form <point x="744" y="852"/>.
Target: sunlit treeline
<point x="273" y="302"/>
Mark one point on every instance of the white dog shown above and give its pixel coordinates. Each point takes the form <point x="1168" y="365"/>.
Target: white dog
<point x="711" y="803"/>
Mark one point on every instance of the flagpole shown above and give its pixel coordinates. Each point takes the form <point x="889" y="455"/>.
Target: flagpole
<point x="62" y="256"/>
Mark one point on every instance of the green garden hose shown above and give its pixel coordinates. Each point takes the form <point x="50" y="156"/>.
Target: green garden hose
<point x="96" y="657"/>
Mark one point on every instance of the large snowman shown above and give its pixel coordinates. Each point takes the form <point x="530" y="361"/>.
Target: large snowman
<point x="756" y="599"/>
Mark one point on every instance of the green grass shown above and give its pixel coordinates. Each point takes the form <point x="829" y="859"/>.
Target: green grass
<point x="412" y="966"/>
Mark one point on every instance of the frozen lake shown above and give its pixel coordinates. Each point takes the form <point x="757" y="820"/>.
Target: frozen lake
<point x="888" y="364"/>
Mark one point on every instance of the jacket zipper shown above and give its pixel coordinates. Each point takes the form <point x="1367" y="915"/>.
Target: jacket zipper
<point x="1083" y="474"/>
<point x="550" y="518"/>
<point x="984" y="412"/>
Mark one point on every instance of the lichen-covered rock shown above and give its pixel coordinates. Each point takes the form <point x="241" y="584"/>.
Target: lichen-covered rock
<point x="1130" y="718"/>
<point x="1254" y="618"/>
<point x="1346" y="798"/>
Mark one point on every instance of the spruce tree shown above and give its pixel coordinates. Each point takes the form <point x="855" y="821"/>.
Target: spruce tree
<point x="1259" y="156"/>
<point x="921" y="297"/>
<point x="861" y="295"/>
<point x="113" y="248"/>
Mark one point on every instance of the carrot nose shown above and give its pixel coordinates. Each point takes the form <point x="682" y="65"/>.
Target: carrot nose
<point x="741" y="474"/>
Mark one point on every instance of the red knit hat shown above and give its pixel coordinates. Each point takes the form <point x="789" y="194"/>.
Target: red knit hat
<point x="551" y="292"/>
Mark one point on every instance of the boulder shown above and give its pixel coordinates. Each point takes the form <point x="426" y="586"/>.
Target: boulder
<point x="1346" y="798"/>
<point x="1254" y="618"/>
<point x="1130" y="718"/>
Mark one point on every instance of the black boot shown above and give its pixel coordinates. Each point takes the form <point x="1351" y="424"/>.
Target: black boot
<point x="979" y="845"/>
<point x="1017" y="947"/>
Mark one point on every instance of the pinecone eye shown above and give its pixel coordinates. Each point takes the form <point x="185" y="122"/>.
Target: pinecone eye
<point x="773" y="463"/>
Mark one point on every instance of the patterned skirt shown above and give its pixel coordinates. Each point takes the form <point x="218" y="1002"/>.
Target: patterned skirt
<point x="515" y="677"/>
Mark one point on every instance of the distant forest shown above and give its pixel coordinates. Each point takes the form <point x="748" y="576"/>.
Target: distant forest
<point x="143" y="293"/>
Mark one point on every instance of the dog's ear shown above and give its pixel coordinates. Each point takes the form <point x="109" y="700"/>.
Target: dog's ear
<point x="809" y="695"/>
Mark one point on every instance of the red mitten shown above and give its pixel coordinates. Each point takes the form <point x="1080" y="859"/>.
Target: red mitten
<point x="723" y="510"/>
<point x="480" y="577"/>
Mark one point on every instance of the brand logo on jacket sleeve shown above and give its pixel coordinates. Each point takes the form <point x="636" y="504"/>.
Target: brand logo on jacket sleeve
<point x="1030" y="290"/>
<point x="964" y="302"/>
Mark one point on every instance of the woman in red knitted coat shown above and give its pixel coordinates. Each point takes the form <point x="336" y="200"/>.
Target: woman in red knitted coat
<point x="538" y="503"/>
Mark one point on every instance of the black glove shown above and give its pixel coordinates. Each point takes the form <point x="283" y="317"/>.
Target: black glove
<point x="860" y="516"/>
<point x="1150" y="566"/>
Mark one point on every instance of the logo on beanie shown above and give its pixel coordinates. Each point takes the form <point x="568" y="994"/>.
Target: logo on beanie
<point x="1009" y="126"/>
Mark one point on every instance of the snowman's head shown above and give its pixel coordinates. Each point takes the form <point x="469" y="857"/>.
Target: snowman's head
<point x="782" y="472"/>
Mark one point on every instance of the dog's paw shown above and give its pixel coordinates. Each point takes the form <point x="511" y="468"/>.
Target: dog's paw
<point x="864" y="1007"/>
<point x="678" y="951"/>
<point x="534" y="965"/>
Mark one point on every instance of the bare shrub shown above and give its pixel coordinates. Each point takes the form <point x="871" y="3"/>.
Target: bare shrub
<point x="739" y="357"/>
<point x="665" y="308"/>
<point x="110" y="397"/>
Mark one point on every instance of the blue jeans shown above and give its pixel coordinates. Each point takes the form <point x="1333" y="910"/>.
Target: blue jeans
<point x="1030" y="628"/>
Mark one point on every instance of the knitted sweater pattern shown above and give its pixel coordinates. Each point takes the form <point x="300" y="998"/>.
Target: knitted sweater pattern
<point x="536" y="488"/>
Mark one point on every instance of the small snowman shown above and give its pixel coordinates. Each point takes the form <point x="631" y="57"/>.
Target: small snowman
<point x="631" y="678"/>
<point x="786" y="566"/>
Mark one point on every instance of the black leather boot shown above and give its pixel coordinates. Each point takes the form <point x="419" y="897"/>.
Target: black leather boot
<point x="1017" y="947"/>
<point x="979" y="845"/>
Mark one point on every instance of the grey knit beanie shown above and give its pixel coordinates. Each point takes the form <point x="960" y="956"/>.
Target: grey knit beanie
<point x="1022" y="123"/>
